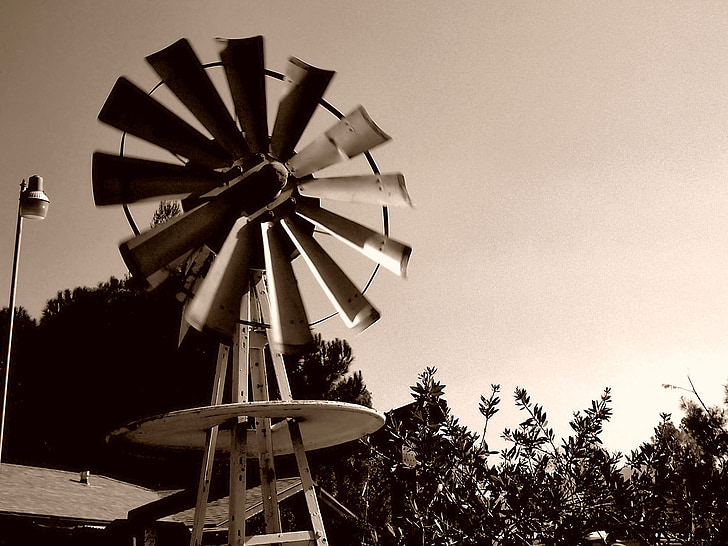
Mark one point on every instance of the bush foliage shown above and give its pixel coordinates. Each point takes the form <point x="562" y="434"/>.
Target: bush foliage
<point x="447" y="488"/>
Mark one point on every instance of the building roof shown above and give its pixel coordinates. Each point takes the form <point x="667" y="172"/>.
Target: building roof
<point x="216" y="515"/>
<point x="33" y="491"/>
<point x="27" y="491"/>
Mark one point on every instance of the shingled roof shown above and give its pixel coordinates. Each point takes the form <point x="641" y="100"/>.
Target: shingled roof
<point x="216" y="515"/>
<point x="33" y="491"/>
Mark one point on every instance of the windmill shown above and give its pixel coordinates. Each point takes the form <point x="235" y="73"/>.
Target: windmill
<point x="251" y="204"/>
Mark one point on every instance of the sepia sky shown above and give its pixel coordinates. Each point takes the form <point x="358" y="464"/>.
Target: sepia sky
<point x="567" y="162"/>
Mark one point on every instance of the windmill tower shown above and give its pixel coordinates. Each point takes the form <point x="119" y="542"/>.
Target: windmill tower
<point x="251" y="204"/>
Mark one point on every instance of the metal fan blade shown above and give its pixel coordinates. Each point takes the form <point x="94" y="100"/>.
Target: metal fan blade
<point x="148" y="255"/>
<point x="119" y="180"/>
<point x="216" y="305"/>
<point x="181" y="70"/>
<point x="382" y="249"/>
<point x="380" y="189"/>
<point x="151" y="252"/>
<point x="348" y="300"/>
<point x="245" y="70"/>
<point x="307" y="86"/>
<point x="352" y="135"/>
<point x="130" y="109"/>
<point x="289" y="333"/>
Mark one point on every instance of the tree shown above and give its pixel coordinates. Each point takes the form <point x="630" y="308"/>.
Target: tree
<point x="24" y="350"/>
<point x="165" y="211"/>
<point x="559" y="494"/>
<point x="101" y="357"/>
<point x="680" y="478"/>
<point x="324" y="374"/>
<point x="445" y="490"/>
<point x="433" y="471"/>
<point x="441" y="487"/>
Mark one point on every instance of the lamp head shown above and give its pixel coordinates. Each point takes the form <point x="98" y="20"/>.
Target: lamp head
<point x="33" y="200"/>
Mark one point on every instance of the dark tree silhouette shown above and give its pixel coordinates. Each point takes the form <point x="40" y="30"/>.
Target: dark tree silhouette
<point x="440" y="485"/>
<point x="680" y="477"/>
<point x="324" y="374"/>
<point x="101" y="357"/>
<point x="165" y="211"/>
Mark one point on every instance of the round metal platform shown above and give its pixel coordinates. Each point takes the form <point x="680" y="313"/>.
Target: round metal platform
<point x="322" y="424"/>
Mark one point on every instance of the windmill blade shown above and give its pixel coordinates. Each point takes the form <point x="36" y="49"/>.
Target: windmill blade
<point x="130" y="109"/>
<point x="380" y="189"/>
<point x="216" y="305"/>
<point x="245" y="70"/>
<point x="181" y="70"/>
<point x="147" y="255"/>
<point x="352" y="135"/>
<point x="150" y="252"/>
<point x="307" y="86"/>
<point x="348" y="300"/>
<point x="289" y="333"/>
<point x="118" y="180"/>
<point x="386" y="251"/>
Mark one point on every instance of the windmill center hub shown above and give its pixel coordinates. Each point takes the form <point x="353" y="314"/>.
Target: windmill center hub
<point x="281" y="171"/>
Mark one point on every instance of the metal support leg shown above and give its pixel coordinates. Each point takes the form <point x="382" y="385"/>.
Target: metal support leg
<point x="238" y="448"/>
<point x="262" y="425"/>
<point x="203" y="487"/>
<point x="304" y="471"/>
<point x="279" y="365"/>
<point x="307" y="482"/>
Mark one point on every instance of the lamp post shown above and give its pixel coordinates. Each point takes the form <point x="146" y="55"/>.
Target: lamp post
<point x="33" y="205"/>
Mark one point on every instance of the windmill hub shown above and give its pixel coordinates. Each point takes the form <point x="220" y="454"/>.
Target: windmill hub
<point x="281" y="171"/>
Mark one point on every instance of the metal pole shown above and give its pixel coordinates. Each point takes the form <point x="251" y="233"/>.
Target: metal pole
<point x="11" y="321"/>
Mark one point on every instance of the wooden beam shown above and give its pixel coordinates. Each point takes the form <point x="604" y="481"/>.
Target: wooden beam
<point x="293" y="537"/>
<point x="259" y="382"/>
<point x="238" y="447"/>
<point x="208" y="459"/>
<point x="307" y="482"/>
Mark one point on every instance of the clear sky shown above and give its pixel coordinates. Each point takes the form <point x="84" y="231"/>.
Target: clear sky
<point x="567" y="162"/>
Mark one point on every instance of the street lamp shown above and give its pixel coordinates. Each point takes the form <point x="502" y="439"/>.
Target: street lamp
<point x="33" y="205"/>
